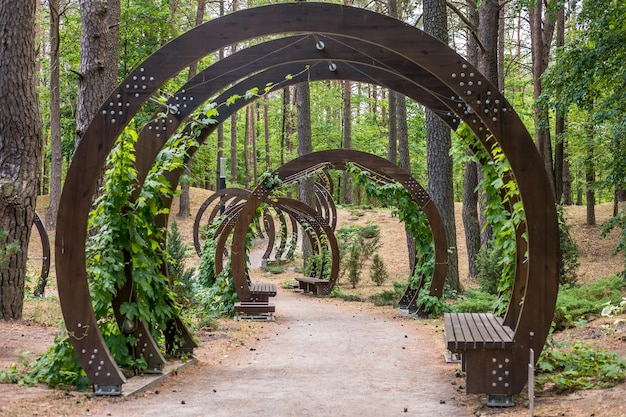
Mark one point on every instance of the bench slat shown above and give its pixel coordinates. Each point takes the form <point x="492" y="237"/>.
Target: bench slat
<point x="476" y="331"/>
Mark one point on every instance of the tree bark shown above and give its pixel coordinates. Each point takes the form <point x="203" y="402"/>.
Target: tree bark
<point x="347" y="135"/>
<point x="253" y="138"/>
<point x="246" y="146"/>
<point x="469" y="211"/>
<point x="392" y="152"/>
<point x="266" y="134"/>
<point x="404" y="157"/>
<point x="233" y="149"/>
<point x="305" y="146"/>
<point x="590" y="172"/>
<point x="438" y="144"/>
<point x="56" y="163"/>
<point x="559" y="147"/>
<point x="541" y="36"/>
<point x="184" y="202"/>
<point x="92" y="79"/>
<point x="21" y="142"/>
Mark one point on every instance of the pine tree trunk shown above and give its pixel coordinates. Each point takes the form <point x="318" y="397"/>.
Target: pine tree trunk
<point x="184" y="202"/>
<point x="404" y="158"/>
<point x="541" y="31"/>
<point x="470" y="212"/>
<point x="438" y="144"/>
<point x="92" y="81"/>
<point x="266" y="134"/>
<point x="233" y="149"/>
<point x="56" y="157"/>
<point x="559" y="147"/>
<point x="590" y="173"/>
<point x="470" y="216"/>
<point x="305" y="146"/>
<point x="392" y="149"/>
<point x="21" y="142"/>
<point x="347" y="135"/>
<point x="254" y="135"/>
<point x="246" y="139"/>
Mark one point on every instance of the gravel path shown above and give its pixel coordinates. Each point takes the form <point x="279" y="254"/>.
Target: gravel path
<point x="320" y="357"/>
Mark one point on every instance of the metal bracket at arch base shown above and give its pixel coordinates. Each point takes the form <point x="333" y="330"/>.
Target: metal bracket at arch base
<point x="499" y="400"/>
<point x="107" y="390"/>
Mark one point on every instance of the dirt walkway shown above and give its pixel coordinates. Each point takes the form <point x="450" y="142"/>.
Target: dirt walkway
<point x="319" y="358"/>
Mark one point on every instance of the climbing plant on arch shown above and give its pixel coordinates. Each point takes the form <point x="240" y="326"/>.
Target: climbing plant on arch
<point x="377" y="49"/>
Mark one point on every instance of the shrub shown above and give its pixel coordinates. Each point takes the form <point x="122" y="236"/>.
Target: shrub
<point x="569" y="253"/>
<point x="571" y="367"/>
<point x="353" y="266"/>
<point x="576" y="302"/>
<point x="370" y="230"/>
<point x="489" y="269"/>
<point x="385" y="298"/>
<point x="378" y="270"/>
<point x="346" y="296"/>
<point x="177" y="254"/>
<point x="475" y="301"/>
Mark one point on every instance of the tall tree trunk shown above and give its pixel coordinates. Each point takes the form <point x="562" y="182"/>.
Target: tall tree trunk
<point x="92" y="78"/>
<point x="347" y="135"/>
<point x="392" y="152"/>
<point x="488" y="19"/>
<point x="590" y="172"/>
<point x="404" y="161"/>
<point x="246" y="141"/>
<point x="56" y="165"/>
<point x="253" y="138"/>
<point x="567" y="179"/>
<point x="469" y="211"/>
<point x="559" y="147"/>
<point x="233" y="149"/>
<point x="501" y="23"/>
<point x="438" y="144"/>
<point x="404" y="158"/>
<point x="284" y="127"/>
<point x="233" y="125"/>
<point x="541" y="36"/>
<point x="266" y="134"/>
<point x="21" y="141"/>
<point x="114" y="10"/>
<point x="184" y="202"/>
<point x="305" y="146"/>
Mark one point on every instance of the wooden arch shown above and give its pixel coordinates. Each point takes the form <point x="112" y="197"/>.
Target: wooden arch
<point x="473" y="99"/>
<point x="381" y="170"/>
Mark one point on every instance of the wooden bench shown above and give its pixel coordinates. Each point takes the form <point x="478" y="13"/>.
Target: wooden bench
<point x="261" y="292"/>
<point x="254" y="310"/>
<point x="486" y="347"/>
<point x="313" y="285"/>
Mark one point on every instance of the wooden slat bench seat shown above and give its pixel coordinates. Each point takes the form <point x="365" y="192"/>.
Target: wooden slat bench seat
<point x="254" y="310"/>
<point x="314" y="285"/>
<point x="478" y="331"/>
<point x="486" y="347"/>
<point x="261" y="292"/>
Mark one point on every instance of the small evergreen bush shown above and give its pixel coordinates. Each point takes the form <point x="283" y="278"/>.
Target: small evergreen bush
<point x="489" y="269"/>
<point x="353" y="266"/>
<point x="568" y="276"/>
<point x="177" y="254"/>
<point x="378" y="270"/>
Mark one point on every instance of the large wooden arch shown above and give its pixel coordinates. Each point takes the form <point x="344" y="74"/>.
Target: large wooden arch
<point x="473" y="99"/>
